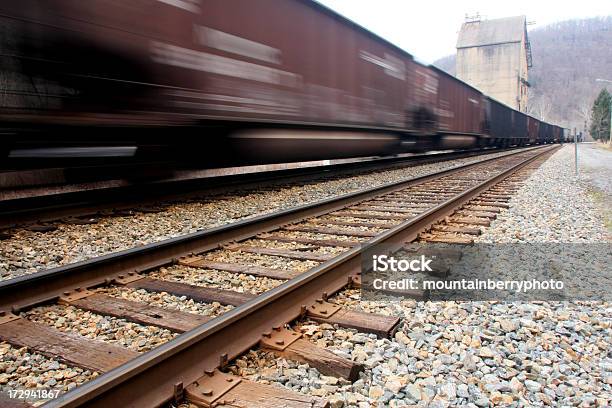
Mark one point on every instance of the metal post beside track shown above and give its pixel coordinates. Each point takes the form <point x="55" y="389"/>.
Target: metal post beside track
<point x="576" y="151"/>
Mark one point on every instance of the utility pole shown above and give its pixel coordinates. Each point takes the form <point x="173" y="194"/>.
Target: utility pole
<point x="610" y="106"/>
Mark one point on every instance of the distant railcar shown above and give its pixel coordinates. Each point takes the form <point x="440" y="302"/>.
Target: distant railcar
<point x="520" y="131"/>
<point x="499" y="120"/>
<point x="533" y="126"/>
<point x="546" y="133"/>
<point x="460" y="112"/>
<point x="557" y="134"/>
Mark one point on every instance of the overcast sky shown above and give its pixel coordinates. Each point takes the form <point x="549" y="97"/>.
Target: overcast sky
<point x="428" y="28"/>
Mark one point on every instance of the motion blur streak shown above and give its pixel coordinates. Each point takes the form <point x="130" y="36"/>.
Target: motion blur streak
<point x="125" y="151"/>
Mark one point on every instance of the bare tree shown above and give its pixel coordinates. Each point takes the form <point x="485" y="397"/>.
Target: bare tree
<point x="584" y="111"/>
<point x="541" y="107"/>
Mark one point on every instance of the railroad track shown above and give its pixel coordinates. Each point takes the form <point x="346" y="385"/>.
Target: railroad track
<point x="320" y="246"/>
<point x="39" y="207"/>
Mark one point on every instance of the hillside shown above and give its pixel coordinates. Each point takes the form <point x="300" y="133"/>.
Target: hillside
<point x="567" y="58"/>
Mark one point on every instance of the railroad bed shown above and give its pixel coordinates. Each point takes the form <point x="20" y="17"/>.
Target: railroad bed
<point x="237" y="287"/>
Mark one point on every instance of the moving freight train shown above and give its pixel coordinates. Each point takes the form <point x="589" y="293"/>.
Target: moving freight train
<point x="242" y="81"/>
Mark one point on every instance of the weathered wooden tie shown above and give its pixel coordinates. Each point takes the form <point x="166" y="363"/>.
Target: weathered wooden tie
<point x="485" y="222"/>
<point x="490" y="203"/>
<point x="445" y="239"/>
<point x="331" y="231"/>
<point x="482" y="208"/>
<point x="409" y="201"/>
<point x="284" y="253"/>
<point x="456" y="229"/>
<point x="475" y="213"/>
<point x="325" y="312"/>
<point x="366" y="224"/>
<point x="221" y="390"/>
<point x="201" y="262"/>
<point x="310" y="241"/>
<point x="400" y="210"/>
<point x="367" y="216"/>
<point x="197" y="293"/>
<point x="291" y="345"/>
<point x="67" y="347"/>
<point x="496" y="196"/>
<point x="137" y="312"/>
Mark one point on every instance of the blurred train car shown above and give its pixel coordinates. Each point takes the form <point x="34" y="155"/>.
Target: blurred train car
<point x="240" y="80"/>
<point x="459" y="113"/>
<point x="209" y="82"/>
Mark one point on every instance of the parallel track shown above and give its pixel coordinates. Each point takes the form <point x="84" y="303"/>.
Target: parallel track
<point x="44" y="204"/>
<point x="392" y="215"/>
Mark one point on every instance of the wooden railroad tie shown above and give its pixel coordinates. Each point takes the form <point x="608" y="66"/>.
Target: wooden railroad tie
<point x="284" y="253"/>
<point x="201" y="262"/>
<point x="400" y="210"/>
<point x="489" y="203"/>
<point x="454" y="228"/>
<point x="482" y="208"/>
<point x="325" y="312"/>
<point x="289" y="344"/>
<point x="310" y="241"/>
<point x="367" y="216"/>
<point x="475" y="213"/>
<point x="366" y="224"/>
<point x="331" y="231"/>
<point x="69" y="348"/>
<point x="195" y="292"/>
<point x="226" y="390"/>
<point x="137" y="312"/>
<point x="485" y="222"/>
<point x="445" y="239"/>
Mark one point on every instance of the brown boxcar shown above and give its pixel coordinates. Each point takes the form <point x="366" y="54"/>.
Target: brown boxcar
<point x="499" y="120"/>
<point x="459" y="107"/>
<point x="532" y="129"/>
<point x="520" y="133"/>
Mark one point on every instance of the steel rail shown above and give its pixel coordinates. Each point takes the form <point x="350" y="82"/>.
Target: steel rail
<point x="154" y="377"/>
<point x="29" y="290"/>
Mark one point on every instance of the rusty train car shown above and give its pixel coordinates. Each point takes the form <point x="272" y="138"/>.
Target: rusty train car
<point x="235" y="81"/>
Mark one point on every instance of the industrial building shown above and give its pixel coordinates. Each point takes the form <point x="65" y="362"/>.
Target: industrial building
<point x="494" y="56"/>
